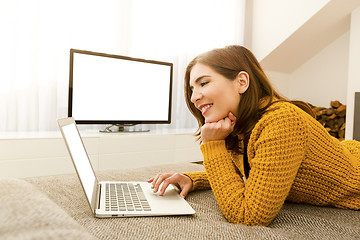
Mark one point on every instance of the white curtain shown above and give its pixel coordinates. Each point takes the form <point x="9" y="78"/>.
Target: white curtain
<point x="36" y="36"/>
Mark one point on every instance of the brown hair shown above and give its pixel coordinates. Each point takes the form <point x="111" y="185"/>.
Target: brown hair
<point x="229" y="61"/>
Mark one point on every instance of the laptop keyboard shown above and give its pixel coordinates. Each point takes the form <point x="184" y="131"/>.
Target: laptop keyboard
<point x="125" y="197"/>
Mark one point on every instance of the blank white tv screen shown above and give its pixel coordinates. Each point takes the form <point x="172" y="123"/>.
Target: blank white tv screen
<point x="117" y="89"/>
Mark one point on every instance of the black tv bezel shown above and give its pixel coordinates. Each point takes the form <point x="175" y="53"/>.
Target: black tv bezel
<point x="130" y="122"/>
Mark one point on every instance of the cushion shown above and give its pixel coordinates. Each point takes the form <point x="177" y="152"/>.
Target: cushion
<point x="27" y="213"/>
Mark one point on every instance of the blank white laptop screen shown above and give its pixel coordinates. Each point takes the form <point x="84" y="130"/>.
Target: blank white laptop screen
<point x="80" y="158"/>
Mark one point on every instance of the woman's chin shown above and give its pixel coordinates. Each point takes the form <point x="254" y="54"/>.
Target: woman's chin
<point x="213" y="119"/>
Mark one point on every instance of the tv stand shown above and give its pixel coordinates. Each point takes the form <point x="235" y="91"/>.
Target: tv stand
<point x="122" y="128"/>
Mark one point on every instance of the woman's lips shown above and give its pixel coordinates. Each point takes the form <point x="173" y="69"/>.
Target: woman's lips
<point x="204" y="108"/>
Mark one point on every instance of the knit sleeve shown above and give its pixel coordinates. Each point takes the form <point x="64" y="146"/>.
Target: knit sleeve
<point x="199" y="179"/>
<point x="275" y="151"/>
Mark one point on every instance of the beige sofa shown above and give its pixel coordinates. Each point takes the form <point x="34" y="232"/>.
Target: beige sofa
<point x="54" y="207"/>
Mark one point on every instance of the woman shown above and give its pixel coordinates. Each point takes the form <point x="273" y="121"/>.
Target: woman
<point x="260" y="149"/>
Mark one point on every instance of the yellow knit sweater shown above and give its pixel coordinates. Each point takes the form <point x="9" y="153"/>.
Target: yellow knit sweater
<point x="292" y="157"/>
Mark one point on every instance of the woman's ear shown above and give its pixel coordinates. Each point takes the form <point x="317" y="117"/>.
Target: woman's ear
<point x="243" y="81"/>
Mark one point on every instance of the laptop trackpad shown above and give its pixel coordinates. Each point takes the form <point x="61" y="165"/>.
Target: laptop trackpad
<point x="170" y="202"/>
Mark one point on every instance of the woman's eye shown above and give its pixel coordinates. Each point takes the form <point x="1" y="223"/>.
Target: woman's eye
<point x="203" y="83"/>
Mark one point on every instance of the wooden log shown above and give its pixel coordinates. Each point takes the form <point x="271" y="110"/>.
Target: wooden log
<point x="330" y="111"/>
<point x="341" y="133"/>
<point x="333" y="118"/>
<point x="335" y="104"/>
<point x="341" y="121"/>
<point x="341" y="111"/>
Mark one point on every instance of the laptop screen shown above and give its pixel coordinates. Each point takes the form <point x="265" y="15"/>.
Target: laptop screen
<point x="80" y="159"/>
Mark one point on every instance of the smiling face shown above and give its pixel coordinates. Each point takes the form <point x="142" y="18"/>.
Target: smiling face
<point x="213" y="94"/>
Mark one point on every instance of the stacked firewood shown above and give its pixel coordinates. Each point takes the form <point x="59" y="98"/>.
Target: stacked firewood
<point x="333" y="118"/>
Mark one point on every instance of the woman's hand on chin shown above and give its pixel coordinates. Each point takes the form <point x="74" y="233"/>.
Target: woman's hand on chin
<point x="219" y="130"/>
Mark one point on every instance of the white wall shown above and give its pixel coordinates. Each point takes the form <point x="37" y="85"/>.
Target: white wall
<point x="281" y="82"/>
<point x="332" y="73"/>
<point x="274" y="21"/>
<point x="321" y="79"/>
<point x="354" y="73"/>
<point x="324" y="77"/>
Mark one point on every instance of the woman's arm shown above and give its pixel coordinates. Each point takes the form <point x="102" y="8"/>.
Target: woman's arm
<point x="199" y="179"/>
<point x="276" y="149"/>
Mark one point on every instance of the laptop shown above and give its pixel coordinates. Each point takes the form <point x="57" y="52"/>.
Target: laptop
<point x="118" y="199"/>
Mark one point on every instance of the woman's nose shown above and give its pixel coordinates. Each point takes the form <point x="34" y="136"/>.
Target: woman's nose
<point x="195" y="96"/>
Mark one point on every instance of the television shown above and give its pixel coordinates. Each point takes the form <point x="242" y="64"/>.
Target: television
<point x="118" y="90"/>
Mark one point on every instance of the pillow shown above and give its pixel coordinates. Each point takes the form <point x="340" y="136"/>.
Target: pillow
<point x="27" y="213"/>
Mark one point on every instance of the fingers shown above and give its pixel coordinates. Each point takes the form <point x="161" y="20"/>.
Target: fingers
<point x="226" y="123"/>
<point x="185" y="190"/>
<point x="158" y="179"/>
<point x="184" y="182"/>
<point x="165" y="179"/>
<point x="218" y="130"/>
<point x="232" y="117"/>
<point x="170" y="180"/>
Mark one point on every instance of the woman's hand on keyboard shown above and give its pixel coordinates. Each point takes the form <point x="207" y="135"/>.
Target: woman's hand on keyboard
<point x="179" y="180"/>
